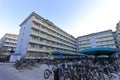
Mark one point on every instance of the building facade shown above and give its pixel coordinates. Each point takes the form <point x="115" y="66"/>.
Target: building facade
<point x="8" y="42"/>
<point x="101" y="39"/>
<point x="118" y="37"/>
<point x="118" y="33"/>
<point x="39" y="36"/>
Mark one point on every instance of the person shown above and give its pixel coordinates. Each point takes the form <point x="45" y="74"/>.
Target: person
<point x="56" y="72"/>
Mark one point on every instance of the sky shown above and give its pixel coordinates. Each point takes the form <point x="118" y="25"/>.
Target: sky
<point x="76" y="17"/>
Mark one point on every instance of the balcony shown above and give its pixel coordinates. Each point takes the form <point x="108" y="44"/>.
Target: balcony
<point x="51" y="39"/>
<point x="105" y="35"/>
<point x="50" y="45"/>
<point x="9" y="41"/>
<point x="44" y="30"/>
<point x="9" y="45"/>
<point x="37" y="50"/>
<point x="57" y="36"/>
<point x="104" y="39"/>
<point x="106" y="43"/>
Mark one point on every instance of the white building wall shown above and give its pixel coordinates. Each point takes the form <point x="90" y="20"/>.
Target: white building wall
<point x="100" y="39"/>
<point x="8" y="42"/>
<point x="93" y="42"/>
<point x="23" y="39"/>
<point x="36" y="40"/>
<point x="13" y="58"/>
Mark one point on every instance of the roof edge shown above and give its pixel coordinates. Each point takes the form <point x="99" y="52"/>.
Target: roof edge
<point x="27" y="18"/>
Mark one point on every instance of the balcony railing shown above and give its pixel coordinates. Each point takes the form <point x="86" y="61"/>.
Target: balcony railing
<point x="51" y="39"/>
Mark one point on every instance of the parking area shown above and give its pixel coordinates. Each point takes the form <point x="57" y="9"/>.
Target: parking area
<point x="35" y="73"/>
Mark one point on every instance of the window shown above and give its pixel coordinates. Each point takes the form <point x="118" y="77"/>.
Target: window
<point x="41" y="39"/>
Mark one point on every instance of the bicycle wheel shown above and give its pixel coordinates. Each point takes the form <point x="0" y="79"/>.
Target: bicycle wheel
<point x="90" y="76"/>
<point x="46" y="74"/>
<point x="66" y="76"/>
<point x="102" y="76"/>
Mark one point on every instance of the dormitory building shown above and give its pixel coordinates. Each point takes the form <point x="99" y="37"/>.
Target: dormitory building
<point x="39" y="36"/>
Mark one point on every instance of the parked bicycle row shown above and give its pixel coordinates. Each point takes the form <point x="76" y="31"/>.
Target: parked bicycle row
<point x="26" y="64"/>
<point x="87" y="69"/>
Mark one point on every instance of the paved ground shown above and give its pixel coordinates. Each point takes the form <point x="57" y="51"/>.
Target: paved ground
<point x="8" y="72"/>
<point x="5" y="74"/>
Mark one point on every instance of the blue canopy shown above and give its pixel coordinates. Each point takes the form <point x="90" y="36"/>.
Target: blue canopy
<point x="99" y="51"/>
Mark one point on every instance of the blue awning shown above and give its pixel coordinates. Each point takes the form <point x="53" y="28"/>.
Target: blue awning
<point x="99" y="51"/>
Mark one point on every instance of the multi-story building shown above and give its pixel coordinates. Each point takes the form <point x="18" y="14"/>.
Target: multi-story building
<point x="118" y="33"/>
<point x="99" y="39"/>
<point x="115" y="38"/>
<point x="0" y="45"/>
<point x="8" y="42"/>
<point x="118" y="37"/>
<point x="0" y="42"/>
<point x="39" y="36"/>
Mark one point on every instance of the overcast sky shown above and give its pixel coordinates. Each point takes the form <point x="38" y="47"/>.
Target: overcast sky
<point x="77" y="17"/>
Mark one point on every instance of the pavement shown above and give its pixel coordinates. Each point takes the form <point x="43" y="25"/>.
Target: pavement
<point x="7" y="69"/>
<point x="5" y="74"/>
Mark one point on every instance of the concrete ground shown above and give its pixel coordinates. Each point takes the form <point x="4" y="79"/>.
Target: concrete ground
<point x="13" y="74"/>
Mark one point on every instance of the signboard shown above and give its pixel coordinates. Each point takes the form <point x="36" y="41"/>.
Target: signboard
<point x="50" y="53"/>
<point x="60" y="56"/>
